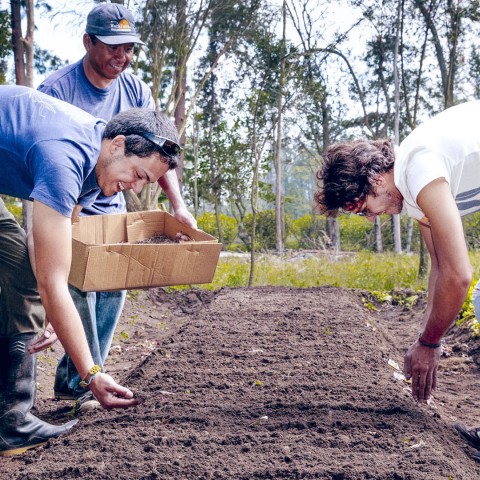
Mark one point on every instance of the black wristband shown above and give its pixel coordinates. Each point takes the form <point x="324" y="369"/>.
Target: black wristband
<point x="424" y="343"/>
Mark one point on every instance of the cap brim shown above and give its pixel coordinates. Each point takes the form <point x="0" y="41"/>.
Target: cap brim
<point x="119" y="39"/>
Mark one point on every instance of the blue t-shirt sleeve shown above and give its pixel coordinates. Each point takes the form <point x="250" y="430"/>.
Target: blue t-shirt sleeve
<point x="57" y="174"/>
<point x="49" y="90"/>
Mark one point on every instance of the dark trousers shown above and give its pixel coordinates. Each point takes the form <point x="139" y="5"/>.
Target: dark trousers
<point x="20" y="308"/>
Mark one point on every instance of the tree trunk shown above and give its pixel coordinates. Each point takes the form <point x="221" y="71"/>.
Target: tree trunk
<point x="408" y="243"/>
<point x="181" y="84"/>
<point x="332" y="223"/>
<point x="23" y="59"/>
<point x="17" y="43"/>
<point x="195" y="166"/>
<point x="447" y="69"/>
<point x="378" y="235"/>
<point x="279" y="219"/>
<point x="423" y="264"/>
<point x="254" y="200"/>
<point x="217" y="219"/>
<point x="396" y="225"/>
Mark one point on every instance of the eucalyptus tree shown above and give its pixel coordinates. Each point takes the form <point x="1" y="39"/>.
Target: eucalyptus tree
<point x="258" y="57"/>
<point x="383" y="81"/>
<point x="308" y="20"/>
<point x="448" y="22"/>
<point x="22" y="46"/>
<point x="173" y="31"/>
<point x="474" y="71"/>
<point x="5" y="44"/>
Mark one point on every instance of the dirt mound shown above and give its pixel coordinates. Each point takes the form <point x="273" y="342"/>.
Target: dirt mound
<point x="265" y="383"/>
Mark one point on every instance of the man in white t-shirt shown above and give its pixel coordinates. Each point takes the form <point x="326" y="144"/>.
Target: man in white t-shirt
<point x="434" y="175"/>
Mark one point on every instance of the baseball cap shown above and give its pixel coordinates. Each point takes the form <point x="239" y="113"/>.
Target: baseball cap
<point x="112" y="24"/>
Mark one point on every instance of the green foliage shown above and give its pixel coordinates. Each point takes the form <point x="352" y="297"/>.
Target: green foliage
<point x="309" y="231"/>
<point x="265" y="228"/>
<point x="5" y="34"/>
<point x="472" y="230"/>
<point x="236" y="247"/>
<point x="14" y="206"/>
<point x="229" y="228"/>
<point x="5" y="44"/>
<point x="474" y="64"/>
<point x="356" y="233"/>
<point x="46" y="62"/>
<point x="467" y="313"/>
<point x="364" y="270"/>
<point x="393" y="297"/>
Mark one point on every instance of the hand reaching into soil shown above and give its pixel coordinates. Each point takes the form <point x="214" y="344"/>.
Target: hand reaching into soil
<point x="421" y="364"/>
<point x="110" y="394"/>
<point x="181" y="237"/>
<point x="44" y="340"/>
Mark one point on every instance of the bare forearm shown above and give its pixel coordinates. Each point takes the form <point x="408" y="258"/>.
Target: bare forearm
<point x="64" y="317"/>
<point x="448" y="285"/>
<point x="445" y="300"/>
<point x="170" y="186"/>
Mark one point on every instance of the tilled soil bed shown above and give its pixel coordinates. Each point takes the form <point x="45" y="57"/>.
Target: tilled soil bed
<point x="264" y="383"/>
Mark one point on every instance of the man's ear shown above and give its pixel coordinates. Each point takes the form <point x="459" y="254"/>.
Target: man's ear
<point x="87" y="41"/>
<point x="379" y="180"/>
<point x="117" y="145"/>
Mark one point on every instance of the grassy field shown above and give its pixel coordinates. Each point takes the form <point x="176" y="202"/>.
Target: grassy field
<point x="359" y="270"/>
<point x="367" y="270"/>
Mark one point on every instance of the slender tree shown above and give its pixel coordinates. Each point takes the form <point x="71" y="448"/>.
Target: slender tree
<point x="23" y="59"/>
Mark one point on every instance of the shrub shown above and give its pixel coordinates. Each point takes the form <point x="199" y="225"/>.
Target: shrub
<point x="265" y="229"/>
<point x="356" y="233"/>
<point x="14" y="206"/>
<point x="228" y="225"/>
<point x="472" y="230"/>
<point x="309" y="231"/>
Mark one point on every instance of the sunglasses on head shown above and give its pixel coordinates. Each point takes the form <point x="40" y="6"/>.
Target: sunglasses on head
<point x="167" y="147"/>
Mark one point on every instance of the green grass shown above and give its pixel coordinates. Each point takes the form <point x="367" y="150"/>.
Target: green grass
<point x="365" y="270"/>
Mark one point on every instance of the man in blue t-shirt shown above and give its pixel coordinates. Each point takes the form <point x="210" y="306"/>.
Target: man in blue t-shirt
<point x="61" y="158"/>
<point x="100" y="85"/>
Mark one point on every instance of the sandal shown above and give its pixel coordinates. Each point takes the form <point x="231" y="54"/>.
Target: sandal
<point x="476" y="456"/>
<point x="472" y="435"/>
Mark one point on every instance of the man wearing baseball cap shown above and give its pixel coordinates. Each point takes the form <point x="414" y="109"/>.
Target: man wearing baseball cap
<point x="99" y="82"/>
<point x="112" y="24"/>
<point x="100" y="85"/>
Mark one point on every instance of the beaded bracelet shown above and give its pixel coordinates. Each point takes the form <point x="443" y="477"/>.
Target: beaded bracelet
<point x="424" y="343"/>
<point x="84" y="383"/>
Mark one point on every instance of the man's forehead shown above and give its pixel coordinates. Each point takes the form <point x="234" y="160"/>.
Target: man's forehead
<point x="126" y="45"/>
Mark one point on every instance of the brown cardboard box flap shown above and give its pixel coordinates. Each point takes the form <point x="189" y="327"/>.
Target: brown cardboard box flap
<point x="105" y="256"/>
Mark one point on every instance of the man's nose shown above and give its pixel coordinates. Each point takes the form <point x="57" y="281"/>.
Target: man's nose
<point x="121" y="53"/>
<point x="138" y="185"/>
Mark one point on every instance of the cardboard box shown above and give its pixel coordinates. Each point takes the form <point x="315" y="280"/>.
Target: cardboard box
<point x="105" y="257"/>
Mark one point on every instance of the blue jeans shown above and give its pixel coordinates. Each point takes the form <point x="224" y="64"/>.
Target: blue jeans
<point x="476" y="300"/>
<point x="100" y="312"/>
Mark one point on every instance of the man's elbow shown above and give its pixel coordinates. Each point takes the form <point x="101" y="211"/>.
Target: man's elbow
<point x="50" y="285"/>
<point x="464" y="278"/>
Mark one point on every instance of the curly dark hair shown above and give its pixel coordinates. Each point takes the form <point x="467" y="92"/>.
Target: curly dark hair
<point x="347" y="172"/>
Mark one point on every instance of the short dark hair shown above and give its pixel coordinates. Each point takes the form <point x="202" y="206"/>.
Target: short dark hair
<point x="347" y="172"/>
<point x="137" y="120"/>
<point x="93" y="38"/>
